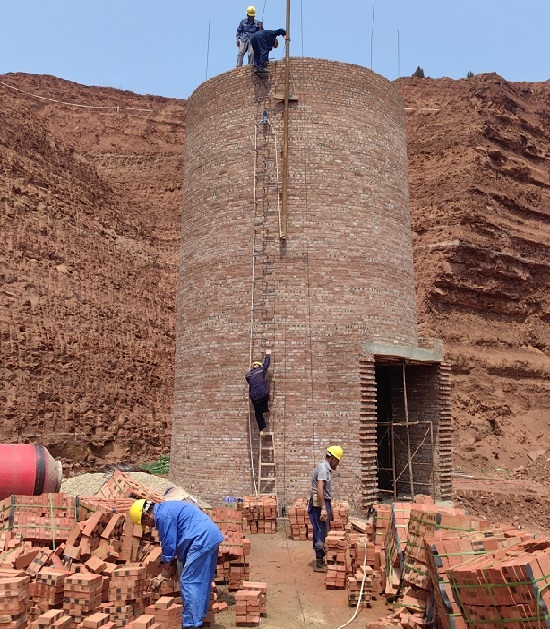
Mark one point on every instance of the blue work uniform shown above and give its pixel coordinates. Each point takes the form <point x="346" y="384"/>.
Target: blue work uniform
<point x="245" y="30"/>
<point x="188" y="534"/>
<point x="320" y="529"/>
<point x="259" y="391"/>
<point x="262" y="42"/>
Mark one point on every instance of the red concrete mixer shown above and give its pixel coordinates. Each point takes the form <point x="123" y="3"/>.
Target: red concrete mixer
<point x="27" y="469"/>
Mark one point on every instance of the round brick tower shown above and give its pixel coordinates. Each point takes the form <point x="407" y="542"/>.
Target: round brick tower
<point x="342" y="276"/>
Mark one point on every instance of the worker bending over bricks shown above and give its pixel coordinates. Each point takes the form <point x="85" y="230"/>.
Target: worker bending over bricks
<point x="188" y="535"/>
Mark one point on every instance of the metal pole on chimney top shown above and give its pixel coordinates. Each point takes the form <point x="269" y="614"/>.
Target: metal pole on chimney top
<point x="282" y="234"/>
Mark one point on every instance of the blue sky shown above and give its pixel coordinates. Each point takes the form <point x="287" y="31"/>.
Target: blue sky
<point x="169" y="47"/>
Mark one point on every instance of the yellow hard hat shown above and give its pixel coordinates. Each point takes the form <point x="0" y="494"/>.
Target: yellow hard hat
<point x="336" y="451"/>
<point x="251" y="11"/>
<point x="136" y="511"/>
<point x="256" y="363"/>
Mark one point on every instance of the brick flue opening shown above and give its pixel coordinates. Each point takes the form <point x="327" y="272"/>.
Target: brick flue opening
<point x="343" y="275"/>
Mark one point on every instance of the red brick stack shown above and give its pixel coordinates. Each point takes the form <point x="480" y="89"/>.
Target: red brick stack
<point x="144" y="621"/>
<point x="14" y="597"/>
<point x="340" y="511"/>
<point x="335" y="547"/>
<point x="40" y="520"/>
<point x="360" y="561"/>
<point x="167" y="612"/>
<point x="260" y="514"/>
<point x="300" y="525"/>
<point x="96" y="621"/>
<point x="104" y="566"/>
<point x="506" y="588"/>
<point x="127" y="584"/>
<point x="54" y="618"/>
<point x="395" y="541"/>
<point x="261" y="587"/>
<point x="362" y="578"/>
<point x="82" y="595"/>
<point x="446" y="549"/>
<point x="248" y="607"/>
<point x="234" y="556"/>
<point x="381" y="521"/>
<point x="47" y="589"/>
<point x="425" y="521"/>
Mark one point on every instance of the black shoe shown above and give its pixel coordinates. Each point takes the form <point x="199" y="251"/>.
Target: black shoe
<point x="320" y="566"/>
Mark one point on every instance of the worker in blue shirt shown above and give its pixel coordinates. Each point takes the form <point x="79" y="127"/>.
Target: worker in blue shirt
<point x="188" y="534"/>
<point x="262" y="43"/>
<point x="245" y="30"/>
<point x="258" y="389"/>
<point x="319" y="507"/>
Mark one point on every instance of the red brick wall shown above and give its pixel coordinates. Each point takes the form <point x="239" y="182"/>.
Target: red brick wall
<point x="343" y="276"/>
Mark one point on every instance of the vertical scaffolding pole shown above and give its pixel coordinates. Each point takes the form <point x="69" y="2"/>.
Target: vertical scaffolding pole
<point x="409" y="458"/>
<point x="282" y="231"/>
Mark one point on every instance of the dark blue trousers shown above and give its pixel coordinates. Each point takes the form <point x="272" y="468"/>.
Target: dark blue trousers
<point x="320" y="529"/>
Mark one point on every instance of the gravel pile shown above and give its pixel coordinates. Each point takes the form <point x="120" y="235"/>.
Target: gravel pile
<point x="90" y="483"/>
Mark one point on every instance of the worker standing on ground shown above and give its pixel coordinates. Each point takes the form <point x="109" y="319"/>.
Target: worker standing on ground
<point x="258" y="389"/>
<point x="188" y="534"/>
<point x="319" y="508"/>
<point x="245" y="30"/>
<point x="262" y="43"/>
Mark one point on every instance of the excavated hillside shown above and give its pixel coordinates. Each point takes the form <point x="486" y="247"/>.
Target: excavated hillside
<point x="90" y="198"/>
<point x="479" y="160"/>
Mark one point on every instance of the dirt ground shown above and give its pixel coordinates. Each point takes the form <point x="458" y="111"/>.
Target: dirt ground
<point x="296" y="595"/>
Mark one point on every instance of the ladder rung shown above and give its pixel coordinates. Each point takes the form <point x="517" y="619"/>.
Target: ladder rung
<point x="267" y="464"/>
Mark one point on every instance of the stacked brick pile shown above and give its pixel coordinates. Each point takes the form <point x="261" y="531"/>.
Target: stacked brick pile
<point x="506" y="588"/>
<point x="335" y="546"/>
<point x="395" y="541"/>
<point x="251" y="604"/>
<point x="340" y="511"/>
<point x="381" y="520"/>
<point x="234" y="556"/>
<point x="300" y="525"/>
<point x="360" y="587"/>
<point x="166" y="612"/>
<point x="14" y="594"/>
<point x="443" y="541"/>
<point x="350" y="557"/>
<point x="446" y="549"/>
<point x="82" y="596"/>
<point x="37" y="519"/>
<point x="260" y="514"/>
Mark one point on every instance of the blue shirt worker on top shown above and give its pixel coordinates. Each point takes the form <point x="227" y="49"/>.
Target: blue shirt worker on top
<point x="263" y="43"/>
<point x="188" y="535"/>
<point x="319" y="508"/>
<point x="245" y="30"/>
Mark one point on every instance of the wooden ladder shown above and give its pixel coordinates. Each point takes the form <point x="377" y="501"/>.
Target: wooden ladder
<point x="266" y="466"/>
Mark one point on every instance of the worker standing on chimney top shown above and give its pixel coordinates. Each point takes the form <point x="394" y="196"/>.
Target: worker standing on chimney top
<point x="245" y="30"/>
